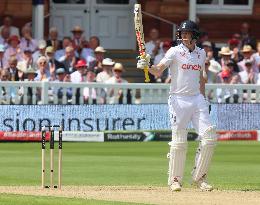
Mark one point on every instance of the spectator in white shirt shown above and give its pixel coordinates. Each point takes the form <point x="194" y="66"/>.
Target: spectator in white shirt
<point x="79" y="75"/>
<point x="247" y="52"/>
<point x="248" y="76"/>
<point x="40" y="52"/>
<point x="107" y="65"/>
<point x="7" y="22"/>
<point x="154" y="46"/>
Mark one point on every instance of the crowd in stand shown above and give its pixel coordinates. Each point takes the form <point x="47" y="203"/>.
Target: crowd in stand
<point x="77" y="59"/>
<point x="73" y="59"/>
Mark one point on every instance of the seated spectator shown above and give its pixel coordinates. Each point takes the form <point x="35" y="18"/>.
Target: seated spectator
<point x="230" y="66"/>
<point x="4" y="76"/>
<point x="61" y="52"/>
<point x="234" y="46"/>
<point x="43" y="73"/>
<point x="90" y="78"/>
<point x="116" y="95"/>
<point x="99" y="57"/>
<point x="225" y="54"/>
<point x="27" y="41"/>
<point x="213" y="70"/>
<point x="8" y="23"/>
<point x="79" y="75"/>
<point x="62" y="76"/>
<point x="12" y="50"/>
<point x="88" y="53"/>
<point x="248" y="76"/>
<point x="77" y="38"/>
<point x="40" y="52"/>
<point x="166" y="46"/>
<point x="69" y="60"/>
<point x="256" y="58"/>
<point x="107" y="65"/>
<point x="154" y="45"/>
<point x="51" y="62"/>
<point x="5" y="35"/>
<point x="2" y="51"/>
<point x="53" y="39"/>
<point x="247" y="53"/>
<point x="246" y="38"/>
<point x="13" y="71"/>
<point x="27" y="57"/>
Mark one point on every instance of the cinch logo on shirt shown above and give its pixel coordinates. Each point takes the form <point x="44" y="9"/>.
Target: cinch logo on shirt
<point x="191" y="67"/>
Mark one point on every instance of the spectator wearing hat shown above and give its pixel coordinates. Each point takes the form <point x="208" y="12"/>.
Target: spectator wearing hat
<point x="225" y="57"/>
<point x="27" y="41"/>
<point x="13" y="50"/>
<point x="13" y="68"/>
<point x="77" y="38"/>
<point x="2" y="51"/>
<point x="212" y="68"/>
<point x="69" y="60"/>
<point x="5" y="35"/>
<point x="248" y="76"/>
<point x="53" y="39"/>
<point x="8" y="23"/>
<point x="247" y="53"/>
<point x="81" y="69"/>
<point x="59" y="54"/>
<point x="27" y="57"/>
<point x="107" y="65"/>
<point x="246" y="38"/>
<point x="96" y="62"/>
<point x="39" y="52"/>
<point x="231" y="68"/>
<point x="116" y="96"/>
<point x="53" y="64"/>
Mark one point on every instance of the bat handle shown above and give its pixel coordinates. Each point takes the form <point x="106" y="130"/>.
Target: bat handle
<point x="146" y="74"/>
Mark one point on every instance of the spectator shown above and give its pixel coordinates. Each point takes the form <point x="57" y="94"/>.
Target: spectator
<point x="53" y="39"/>
<point x="13" y="71"/>
<point x="234" y="47"/>
<point x="154" y="46"/>
<point x="248" y="76"/>
<point x="99" y="57"/>
<point x="116" y="95"/>
<point x="27" y="57"/>
<point x="77" y="38"/>
<point x="27" y="41"/>
<point x="79" y="75"/>
<point x="61" y="52"/>
<point x="213" y="68"/>
<point x="4" y="76"/>
<point x="166" y="46"/>
<point x="51" y="62"/>
<point x="5" y="35"/>
<point x="226" y="54"/>
<point x="246" y="38"/>
<point x="107" y="65"/>
<point x="8" y="23"/>
<point x="247" y="53"/>
<point x="40" y="52"/>
<point x="43" y="74"/>
<point x="62" y="76"/>
<point x="12" y="50"/>
<point x="2" y="51"/>
<point x="90" y="77"/>
<point x="69" y="60"/>
<point x="88" y="53"/>
<point x="256" y="57"/>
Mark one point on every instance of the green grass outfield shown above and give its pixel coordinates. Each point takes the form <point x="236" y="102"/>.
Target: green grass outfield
<point x="236" y="165"/>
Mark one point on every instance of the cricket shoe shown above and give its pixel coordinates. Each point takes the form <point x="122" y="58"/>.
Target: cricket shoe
<point x="203" y="185"/>
<point x="175" y="186"/>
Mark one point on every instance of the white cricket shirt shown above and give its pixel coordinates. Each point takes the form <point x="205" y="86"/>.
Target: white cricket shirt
<point x="185" y="67"/>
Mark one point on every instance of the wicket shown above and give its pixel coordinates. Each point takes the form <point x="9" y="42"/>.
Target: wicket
<point x="51" y="129"/>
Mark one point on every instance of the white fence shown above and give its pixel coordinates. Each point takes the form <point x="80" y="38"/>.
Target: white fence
<point x="26" y="92"/>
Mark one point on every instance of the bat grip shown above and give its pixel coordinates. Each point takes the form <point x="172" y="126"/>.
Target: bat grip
<point x="146" y="75"/>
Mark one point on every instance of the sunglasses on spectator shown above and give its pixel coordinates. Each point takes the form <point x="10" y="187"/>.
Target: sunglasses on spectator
<point x="43" y="63"/>
<point x="118" y="71"/>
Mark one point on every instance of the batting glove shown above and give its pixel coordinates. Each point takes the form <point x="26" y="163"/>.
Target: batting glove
<point x="143" y="62"/>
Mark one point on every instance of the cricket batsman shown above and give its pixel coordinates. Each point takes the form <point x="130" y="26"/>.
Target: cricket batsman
<point x="187" y="103"/>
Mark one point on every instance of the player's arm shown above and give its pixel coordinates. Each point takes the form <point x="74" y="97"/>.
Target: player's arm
<point x="157" y="70"/>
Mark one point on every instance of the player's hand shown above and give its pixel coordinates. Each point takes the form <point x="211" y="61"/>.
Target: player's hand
<point x="143" y="62"/>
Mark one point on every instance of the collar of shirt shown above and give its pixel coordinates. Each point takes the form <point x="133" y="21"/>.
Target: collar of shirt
<point x="188" y="50"/>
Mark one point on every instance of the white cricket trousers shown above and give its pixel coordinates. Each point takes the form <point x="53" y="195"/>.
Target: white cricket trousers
<point x="186" y="109"/>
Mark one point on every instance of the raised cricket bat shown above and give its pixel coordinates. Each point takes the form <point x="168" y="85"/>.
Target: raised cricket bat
<point x="140" y="37"/>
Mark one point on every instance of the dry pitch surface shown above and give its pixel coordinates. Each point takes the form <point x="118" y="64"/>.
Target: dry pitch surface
<point x="147" y="195"/>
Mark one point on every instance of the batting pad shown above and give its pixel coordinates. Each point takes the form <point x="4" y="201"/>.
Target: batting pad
<point x="204" y="154"/>
<point x="177" y="157"/>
